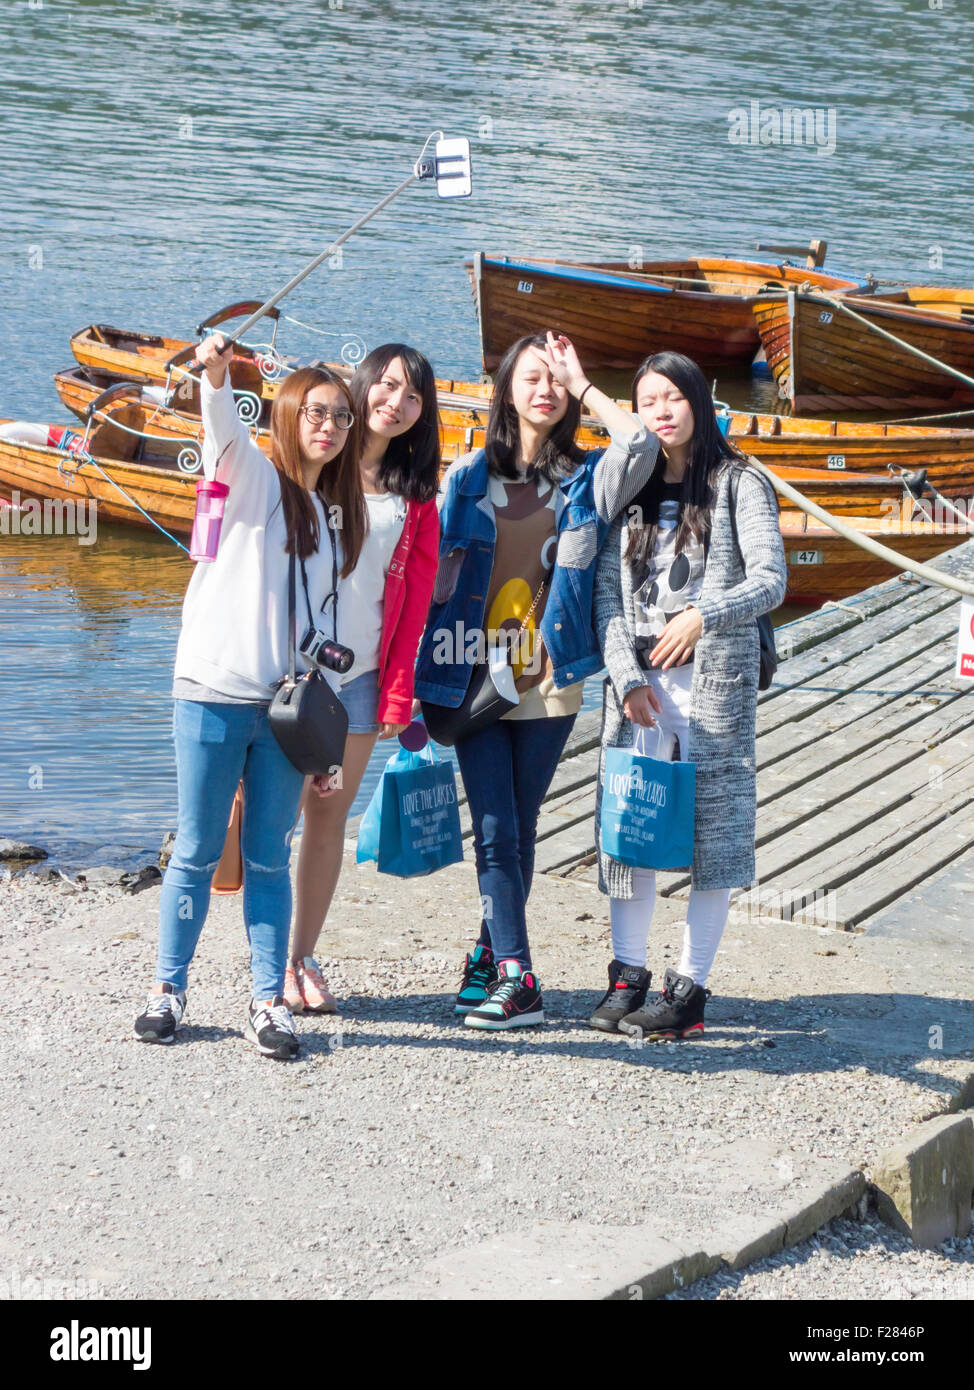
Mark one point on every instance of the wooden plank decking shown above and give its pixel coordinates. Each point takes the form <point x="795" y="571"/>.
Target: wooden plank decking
<point x="865" y="762"/>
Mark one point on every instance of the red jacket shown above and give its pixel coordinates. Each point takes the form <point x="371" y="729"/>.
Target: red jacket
<point x="406" y="601"/>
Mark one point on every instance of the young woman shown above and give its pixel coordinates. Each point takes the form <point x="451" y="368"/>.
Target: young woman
<point x="683" y="576"/>
<point x="522" y="521"/>
<point x="233" y="649"/>
<point x="395" y="398"/>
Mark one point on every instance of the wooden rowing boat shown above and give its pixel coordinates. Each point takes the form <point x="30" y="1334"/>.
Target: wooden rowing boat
<point x="820" y="564"/>
<point x="155" y="483"/>
<point x="823" y="565"/>
<point x="822" y="359"/>
<point x="828" y="446"/>
<point x="616" y="315"/>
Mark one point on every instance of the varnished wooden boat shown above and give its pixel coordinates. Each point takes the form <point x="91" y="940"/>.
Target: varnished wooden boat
<point x="822" y="359"/>
<point x="615" y="316"/>
<point x="823" y="565"/>
<point x="788" y="445"/>
<point x="820" y="564"/>
<point x="155" y="483"/>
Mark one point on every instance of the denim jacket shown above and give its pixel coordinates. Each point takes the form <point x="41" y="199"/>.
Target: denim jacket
<point x="588" y="502"/>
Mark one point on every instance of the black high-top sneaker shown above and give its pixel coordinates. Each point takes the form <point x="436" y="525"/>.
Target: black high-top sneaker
<point x="628" y="986"/>
<point x="676" y="1013"/>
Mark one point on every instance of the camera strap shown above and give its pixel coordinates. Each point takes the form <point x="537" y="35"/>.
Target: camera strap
<point x="292" y="601"/>
<point x="333" y="596"/>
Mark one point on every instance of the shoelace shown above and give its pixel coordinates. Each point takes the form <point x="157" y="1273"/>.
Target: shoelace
<point x="161" y="1004"/>
<point x="504" y="989"/>
<point x="313" y="973"/>
<point x="477" y="973"/>
<point x="277" y="1015"/>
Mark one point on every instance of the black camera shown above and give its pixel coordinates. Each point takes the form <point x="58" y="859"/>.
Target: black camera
<point x="325" y="652"/>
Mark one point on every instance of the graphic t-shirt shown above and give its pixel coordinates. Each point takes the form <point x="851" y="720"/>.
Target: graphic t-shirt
<point x="674" y="578"/>
<point x="525" y="514"/>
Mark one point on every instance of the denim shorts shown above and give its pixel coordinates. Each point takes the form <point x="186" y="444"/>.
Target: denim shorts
<point x="361" y="700"/>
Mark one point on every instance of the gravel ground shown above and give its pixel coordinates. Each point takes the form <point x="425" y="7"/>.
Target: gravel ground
<point x="849" y="1261"/>
<point x="398" y="1135"/>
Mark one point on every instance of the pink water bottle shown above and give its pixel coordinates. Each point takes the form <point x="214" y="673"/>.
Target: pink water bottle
<point x="211" y="498"/>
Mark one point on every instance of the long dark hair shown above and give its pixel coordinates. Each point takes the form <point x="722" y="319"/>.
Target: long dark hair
<point x="709" y="452"/>
<point x="339" y="483"/>
<point x="559" y="455"/>
<point x="411" y="463"/>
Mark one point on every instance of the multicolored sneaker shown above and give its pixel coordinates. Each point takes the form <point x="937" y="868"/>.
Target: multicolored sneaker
<point x="315" y="994"/>
<point x="628" y="986"/>
<point x="513" y="1000"/>
<point x="676" y="1013"/>
<point x="270" y="1028"/>
<point x="162" y="1015"/>
<point x="479" y="973"/>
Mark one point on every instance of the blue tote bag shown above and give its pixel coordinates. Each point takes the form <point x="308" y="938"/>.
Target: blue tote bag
<point x="412" y="824"/>
<point x="647" y="810"/>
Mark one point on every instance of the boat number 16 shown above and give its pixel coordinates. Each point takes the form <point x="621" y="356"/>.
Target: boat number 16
<point x="525" y="286"/>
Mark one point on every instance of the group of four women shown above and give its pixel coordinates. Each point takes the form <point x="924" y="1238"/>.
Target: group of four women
<point x="652" y="557"/>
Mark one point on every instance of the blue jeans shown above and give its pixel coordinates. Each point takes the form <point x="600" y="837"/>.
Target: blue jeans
<point x="216" y="745"/>
<point x="506" y="770"/>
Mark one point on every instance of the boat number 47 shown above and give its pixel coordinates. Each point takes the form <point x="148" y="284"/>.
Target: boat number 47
<point x="525" y="286"/>
<point x="806" y="557"/>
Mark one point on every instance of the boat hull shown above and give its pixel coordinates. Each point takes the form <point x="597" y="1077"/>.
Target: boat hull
<point x="166" y="494"/>
<point x="616" y="316"/>
<point x="821" y="359"/>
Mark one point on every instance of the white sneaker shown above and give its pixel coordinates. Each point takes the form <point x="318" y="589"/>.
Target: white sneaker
<point x="162" y="1015"/>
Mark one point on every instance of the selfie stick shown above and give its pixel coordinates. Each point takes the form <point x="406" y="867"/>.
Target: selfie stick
<point x="449" y="165"/>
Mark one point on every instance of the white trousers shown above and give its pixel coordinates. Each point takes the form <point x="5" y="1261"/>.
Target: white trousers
<point x="706" y="910"/>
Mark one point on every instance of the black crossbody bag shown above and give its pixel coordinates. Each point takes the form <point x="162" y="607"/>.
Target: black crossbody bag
<point x="482" y="705"/>
<point x="306" y="716"/>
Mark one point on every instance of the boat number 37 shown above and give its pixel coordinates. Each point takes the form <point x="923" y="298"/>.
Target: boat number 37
<point x="825" y="316"/>
<point x="525" y="286"/>
<point x="806" y="557"/>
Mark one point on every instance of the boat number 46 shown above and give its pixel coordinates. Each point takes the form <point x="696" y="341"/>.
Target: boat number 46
<point x="806" y="557"/>
<point x="525" y="286"/>
<point x="836" y="461"/>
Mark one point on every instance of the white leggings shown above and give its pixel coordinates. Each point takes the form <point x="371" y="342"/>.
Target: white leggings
<point x="706" y="910"/>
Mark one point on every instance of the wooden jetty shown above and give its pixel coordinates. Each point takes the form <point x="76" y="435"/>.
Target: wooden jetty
<point x="865" y="754"/>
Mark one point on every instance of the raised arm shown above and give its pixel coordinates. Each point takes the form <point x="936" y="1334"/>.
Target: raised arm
<point x="227" y="445"/>
<point x="627" y="464"/>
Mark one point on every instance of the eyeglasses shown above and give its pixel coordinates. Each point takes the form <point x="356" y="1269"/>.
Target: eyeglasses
<point x="318" y="414"/>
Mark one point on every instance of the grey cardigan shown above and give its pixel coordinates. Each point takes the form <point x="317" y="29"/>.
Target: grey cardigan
<point x="723" y="694"/>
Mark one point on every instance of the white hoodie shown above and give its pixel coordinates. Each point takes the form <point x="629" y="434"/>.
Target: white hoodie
<point x="234" y="633"/>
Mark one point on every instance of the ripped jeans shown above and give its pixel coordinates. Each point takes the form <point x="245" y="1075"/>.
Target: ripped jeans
<point x="216" y="745"/>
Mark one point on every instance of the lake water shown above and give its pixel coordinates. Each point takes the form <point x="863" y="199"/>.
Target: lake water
<point x="162" y="160"/>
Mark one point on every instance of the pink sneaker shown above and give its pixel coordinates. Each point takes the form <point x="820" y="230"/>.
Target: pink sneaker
<point x="292" y="991"/>
<point x="316" y="997"/>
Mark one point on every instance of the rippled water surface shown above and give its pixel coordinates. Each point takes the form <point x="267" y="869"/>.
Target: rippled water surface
<point x="160" y="160"/>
